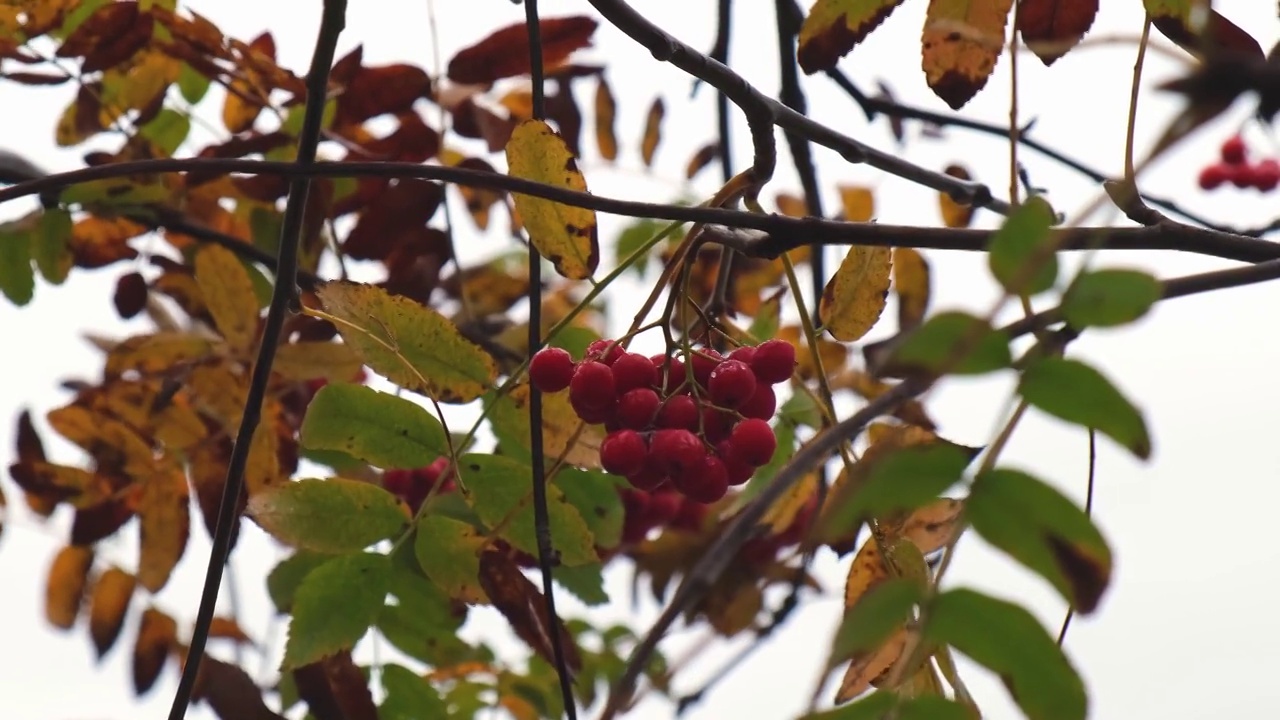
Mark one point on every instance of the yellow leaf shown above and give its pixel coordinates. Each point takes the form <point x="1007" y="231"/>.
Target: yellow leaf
<point x="170" y="419"/>
<point x="263" y="467"/>
<point x="865" y="572"/>
<point x="64" y="588"/>
<point x="911" y="283"/>
<point x="783" y="512"/>
<point x="158" y="352"/>
<point x="791" y="205"/>
<point x="855" y="296"/>
<point x="730" y="609"/>
<point x="930" y="527"/>
<point x="834" y="355"/>
<point x="410" y="344"/>
<point x="606" y="108"/>
<point x="960" y="44"/>
<point x="519" y="103"/>
<point x="75" y="486"/>
<point x="107" y="607"/>
<point x="228" y="292"/>
<point x="652" y="131"/>
<point x="565" y="235"/>
<point x="157" y="635"/>
<point x="858" y="202"/>
<point x="833" y="27"/>
<point x="563" y="434"/>
<point x="867" y="668"/>
<point x="220" y="393"/>
<point x="101" y="435"/>
<point x="306" y="360"/>
<point x="164" y="525"/>
<point x="138" y="84"/>
<point x="954" y="214"/>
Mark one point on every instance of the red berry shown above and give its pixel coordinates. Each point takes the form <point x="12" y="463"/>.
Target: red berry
<point x="1214" y="175"/>
<point x="131" y="294"/>
<point x="651" y="477"/>
<point x="706" y="482"/>
<point x="604" y="350"/>
<point x="745" y="354"/>
<point x="397" y="481"/>
<point x="671" y="374"/>
<point x="703" y="362"/>
<point x="1243" y="176"/>
<point x="762" y="404"/>
<point x="716" y="424"/>
<point x="732" y="383"/>
<point x="679" y="411"/>
<point x="753" y="441"/>
<point x="676" y="451"/>
<point x="592" y="386"/>
<point x="595" y="416"/>
<point x="691" y="516"/>
<point x="623" y="452"/>
<point x="1233" y="150"/>
<point x="774" y="361"/>
<point x="551" y="369"/>
<point x="663" y="507"/>
<point x="637" y="408"/>
<point x="740" y="471"/>
<point x="1266" y="175"/>
<point x="633" y="371"/>
<point x="759" y="550"/>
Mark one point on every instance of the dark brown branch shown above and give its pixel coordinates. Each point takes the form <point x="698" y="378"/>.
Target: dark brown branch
<point x="283" y="295"/>
<point x="781" y="233"/>
<point x="762" y="110"/>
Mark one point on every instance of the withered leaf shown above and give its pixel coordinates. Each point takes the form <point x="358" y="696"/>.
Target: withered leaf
<point x="228" y="292"/>
<point x="605" y="110"/>
<point x="855" y="295"/>
<point x="1050" y="28"/>
<point x="65" y="585"/>
<point x="157" y="635"/>
<point x="960" y="45"/>
<point x="108" y="604"/>
<point x="954" y="214"/>
<point x="505" y="52"/>
<point x="109" y="36"/>
<point x="386" y="89"/>
<point x="165" y="523"/>
<point x="833" y="27"/>
<point x="230" y="692"/>
<point x="703" y="157"/>
<point x="520" y="601"/>
<point x="652" y="131"/>
<point x="403" y="207"/>
<point x="911" y="283"/>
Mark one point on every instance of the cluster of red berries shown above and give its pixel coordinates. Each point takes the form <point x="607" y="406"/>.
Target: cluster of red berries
<point x="1235" y="168"/>
<point x="700" y="422"/>
<point x="664" y="507"/>
<point x="413" y="486"/>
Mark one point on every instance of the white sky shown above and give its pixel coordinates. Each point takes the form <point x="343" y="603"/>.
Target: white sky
<point x="1188" y="629"/>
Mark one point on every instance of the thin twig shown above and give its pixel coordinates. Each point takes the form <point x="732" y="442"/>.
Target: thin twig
<point x="541" y="519"/>
<point x="283" y="295"/>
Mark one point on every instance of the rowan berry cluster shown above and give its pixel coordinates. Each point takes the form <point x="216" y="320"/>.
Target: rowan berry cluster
<point x="664" y="507"/>
<point x="413" y="486"/>
<point x="699" y="423"/>
<point x="1235" y="168"/>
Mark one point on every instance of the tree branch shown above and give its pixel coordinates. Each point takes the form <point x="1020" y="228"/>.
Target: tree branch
<point x="284" y="293"/>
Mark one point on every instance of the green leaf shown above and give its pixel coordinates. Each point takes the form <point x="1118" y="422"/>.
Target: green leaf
<point x="334" y="515"/>
<point x="874" y="617"/>
<point x="955" y="342"/>
<point x="447" y="550"/>
<point x="288" y="574"/>
<point x="574" y="340"/>
<point x="193" y="85"/>
<point x="767" y="320"/>
<point x="502" y="495"/>
<point x="586" y="582"/>
<point x="334" y="607"/>
<point x="1079" y="394"/>
<point x="1009" y="641"/>
<point x="883" y="703"/>
<point x="595" y="495"/>
<point x="409" y="696"/>
<point x="800" y="409"/>
<point x="1106" y="298"/>
<point x="17" y="279"/>
<point x="902" y="479"/>
<point x="376" y="427"/>
<point x="1021" y="242"/>
<point x="410" y="344"/>
<point x="634" y="237"/>
<point x="51" y="248"/>
<point x="167" y="130"/>
<point x="1042" y="529"/>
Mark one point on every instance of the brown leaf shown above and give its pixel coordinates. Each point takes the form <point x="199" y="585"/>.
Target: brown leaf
<point x="49" y="483"/>
<point x="703" y="157"/>
<point x="401" y="209"/>
<point x="114" y="445"/>
<point x="386" y="89"/>
<point x="157" y="635"/>
<point x="96" y="242"/>
<point x="230" y="692"/>
<point x="108" y="604"/>
<point x="1219" y="37"/>
<point x="64" y="587"/>
<point x="960" y="45"/>
<point x="246" y="94"/>
<point x="29" y="445"/>
<point x="833" y="27"/>
<point x="207" y="467"/>
<point x="867" y="668"/>
<point x="505" y="52"/>
<point x="605" y="110"/>
<point x="522" y="604"/>
<point x="1050" y="28"/>
<point x="954" y="214"/>
<point x="652" y="131"/>
<point x="562" y="109"/>
<point x="100" y="521"/>
<point x="911" y="283"/>
<point x="165" y="524"/>
<point x="130" y="297"/>
<point x="159" y="353"/>
<point x="349" y="687"/>
<point x="108" y="37"/>
<point x="834" y="355"/>
<point x="228" y="628"/>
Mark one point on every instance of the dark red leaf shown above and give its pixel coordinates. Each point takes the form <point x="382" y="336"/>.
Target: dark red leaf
<point x="413" y="266"/>
<point x="520" y="601"/>
<point x="230" y="692"/>
<point x="562" y="109"/>
<point x="108" y="37"/>
<point x="30" y="447"/>
<point x="375" y="91"/>
<point x="505" y="53"/>
<point x="1052" y="27"/>
<point x="31" y="78"/>
<point x="407" y="204"/>
<point x="344" y="70"/>
<point x="1221" y="37"/>
<point x="98" y="522"/>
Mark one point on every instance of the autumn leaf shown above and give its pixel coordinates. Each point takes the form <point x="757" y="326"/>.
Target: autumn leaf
<point x="64" y="588"/>
<point x="606" y="108"/>
<point x="334" y="515"/>
<point x="505" y="52"/>
<point x="412" y="345"/>
<point x="228" y="292"/>
<point x="520" y="601"/>
<point x="857" y="202"/>
<point x="833" y="27"/>
<point x="565" y="235"/>
<point x="855" y="296"/>
<point x="911" y="283"/>
<point x="960" y="45"/>
<point x="866" y="667"/>
<point x="230" y="692"/>
<point x="652" y="131"/>
<point x="159" y="352"/>
<point x="1050" y="28"/>
<point x="1213" y="35"/>
<point x="165" y="523"/>
<point x="108" y="604"/>
<point x="305" y="360"/>
<point x="157" y="635"/>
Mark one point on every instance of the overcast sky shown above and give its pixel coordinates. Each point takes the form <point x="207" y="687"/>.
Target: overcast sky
<point x="1187" y="630"/>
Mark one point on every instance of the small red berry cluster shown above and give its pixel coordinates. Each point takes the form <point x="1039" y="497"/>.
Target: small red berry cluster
<point x="413" y="486"/>
<point x="662" y="508"/>
<point x="1235" y="168"/>
<point x="700" y="422"/>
